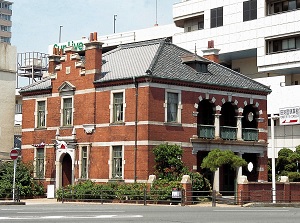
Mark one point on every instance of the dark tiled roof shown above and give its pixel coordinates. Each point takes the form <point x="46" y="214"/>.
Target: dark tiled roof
<point x="162" y="59"/>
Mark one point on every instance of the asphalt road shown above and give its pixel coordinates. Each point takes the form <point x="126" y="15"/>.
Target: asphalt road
<point x="69" y="212"/>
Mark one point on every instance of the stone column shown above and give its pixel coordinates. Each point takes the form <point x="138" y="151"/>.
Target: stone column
<point x="217" y="126"/>
<point x="239" y="171"/>
<point x="239" y="134"/>
<point x="216" y="185"/>
<point x="187" y="186"/>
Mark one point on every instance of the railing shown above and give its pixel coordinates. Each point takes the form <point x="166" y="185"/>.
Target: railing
<point x="206" y="131"/>
<point x="250" y="134"/>
<point x="18" y="109"/>
<point x="133" y="196"/>
<point x="228" y="132"/>
<point x="8" y="195"/>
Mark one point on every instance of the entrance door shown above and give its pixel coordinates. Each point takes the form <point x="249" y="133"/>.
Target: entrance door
<point x="66" y="170"/>
<point x="228" y="178"/>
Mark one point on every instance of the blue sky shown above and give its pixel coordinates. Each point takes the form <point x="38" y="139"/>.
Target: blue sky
<point x="36" y="23"/>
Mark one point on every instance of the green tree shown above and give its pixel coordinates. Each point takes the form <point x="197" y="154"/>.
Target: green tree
<point x="287" y="163"/>
<point x="168" y="161"/>
<point x="217" y="158"/>
<point x="24" y="179"/>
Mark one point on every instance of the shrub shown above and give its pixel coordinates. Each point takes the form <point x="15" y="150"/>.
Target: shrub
<point x="27" y="186"/>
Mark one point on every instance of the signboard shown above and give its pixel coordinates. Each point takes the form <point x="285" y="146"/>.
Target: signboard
<point x="289" y="116"/>
<point x="78" y="45"/>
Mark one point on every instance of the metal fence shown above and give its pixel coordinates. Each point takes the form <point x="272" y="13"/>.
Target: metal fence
<point x="176" y="197"/>
<point x="6" y="195"/>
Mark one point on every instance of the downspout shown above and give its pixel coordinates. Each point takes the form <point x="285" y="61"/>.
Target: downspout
<point x="135" y="128"/>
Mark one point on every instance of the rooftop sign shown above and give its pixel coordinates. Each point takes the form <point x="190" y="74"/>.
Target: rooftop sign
<point x="77" y="44"/>
<point x="289" y="116"/>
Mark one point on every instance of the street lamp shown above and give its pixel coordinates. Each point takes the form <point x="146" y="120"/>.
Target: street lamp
<point x="273" y="118"/>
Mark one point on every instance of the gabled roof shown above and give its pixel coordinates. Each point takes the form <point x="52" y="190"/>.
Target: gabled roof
<point x="162" y="59"/>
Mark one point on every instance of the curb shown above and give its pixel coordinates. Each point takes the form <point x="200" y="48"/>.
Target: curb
<point x="12" y="203"/>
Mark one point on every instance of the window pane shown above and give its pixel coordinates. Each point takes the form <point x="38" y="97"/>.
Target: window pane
<point x="285" y="44"/>
<point x="172" y="107"/>
<point x="40" y="163"/>
<point x="292" y="43"/>
<point x="117" y="162"/>
<point x="298" y="43"/>
<point x="292" y="4"/>
<point x="41" y="114"/>
<point x="84" y="163"/>
<point x="118" y="107"/>
<point x="67" y="109"/>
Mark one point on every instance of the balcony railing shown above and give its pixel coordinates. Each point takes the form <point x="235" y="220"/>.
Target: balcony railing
<point x="18" y="109"/>
<point x="228" y="132"/>
<point x="250" y="134"/>
<point x="206" y="131"/>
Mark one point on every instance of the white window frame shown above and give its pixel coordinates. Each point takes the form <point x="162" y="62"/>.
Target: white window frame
<point x="111" y="106"/>
<point x="179" y="107"/>
<point x="35" y="162"/>
<point x="111" y="162"/>
<point x="80" y="161"/>
<point x="36" y="113"/>
<point x="62" y="111"/>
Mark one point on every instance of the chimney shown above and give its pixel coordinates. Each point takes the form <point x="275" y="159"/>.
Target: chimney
<point x="211" y="53"/>
<point x="54" y="60"/>
<point x="93" y="56"/>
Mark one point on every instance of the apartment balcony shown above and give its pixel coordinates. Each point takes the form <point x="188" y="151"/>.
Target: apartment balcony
<point x="228" y="132"/>
<point x="206" y="131"/>
<point x="250" y="134"/>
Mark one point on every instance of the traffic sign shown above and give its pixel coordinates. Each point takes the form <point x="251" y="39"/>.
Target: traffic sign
<point x="14" y="154"/>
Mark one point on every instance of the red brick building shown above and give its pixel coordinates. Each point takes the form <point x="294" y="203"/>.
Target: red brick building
<point x="99" y="116"/>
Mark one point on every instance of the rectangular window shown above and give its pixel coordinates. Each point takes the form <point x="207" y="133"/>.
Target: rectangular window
<point x="118" y="107"/>
<point x="172" y="107"/>
<point x="216" y="17"/>
<point x="282" y="6"/>
<point x="40" y="162"/>
<point x="84" y="162"/>
<point x="41" y="114"/>
<point x="117" y="165"/>
<point x="67" y="111"/>
<point x="283" y="44"/>
<point x="249" y="10"/>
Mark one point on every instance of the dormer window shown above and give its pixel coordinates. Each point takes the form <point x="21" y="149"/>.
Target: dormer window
<point x="194" y="61"/>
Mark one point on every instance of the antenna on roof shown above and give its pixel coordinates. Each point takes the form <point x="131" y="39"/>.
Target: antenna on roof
<point x="195" y="48"/>
<point x="156" y="14"/>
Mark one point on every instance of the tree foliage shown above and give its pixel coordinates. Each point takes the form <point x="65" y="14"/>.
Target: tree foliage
<point x="287" y="163"/>
<point x="24" y="180"/>
<point x="168" y="161"/>
<point x="217" y="158"/>
<point x="170" y="167"/>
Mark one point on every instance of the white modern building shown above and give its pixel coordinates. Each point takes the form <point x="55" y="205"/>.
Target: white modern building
<point x="259" y="38"/>
<point x="7" y="98"/>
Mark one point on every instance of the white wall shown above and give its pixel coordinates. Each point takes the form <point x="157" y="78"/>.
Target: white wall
<point x="236" y="35"/>
<point x="7" y="98"/>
